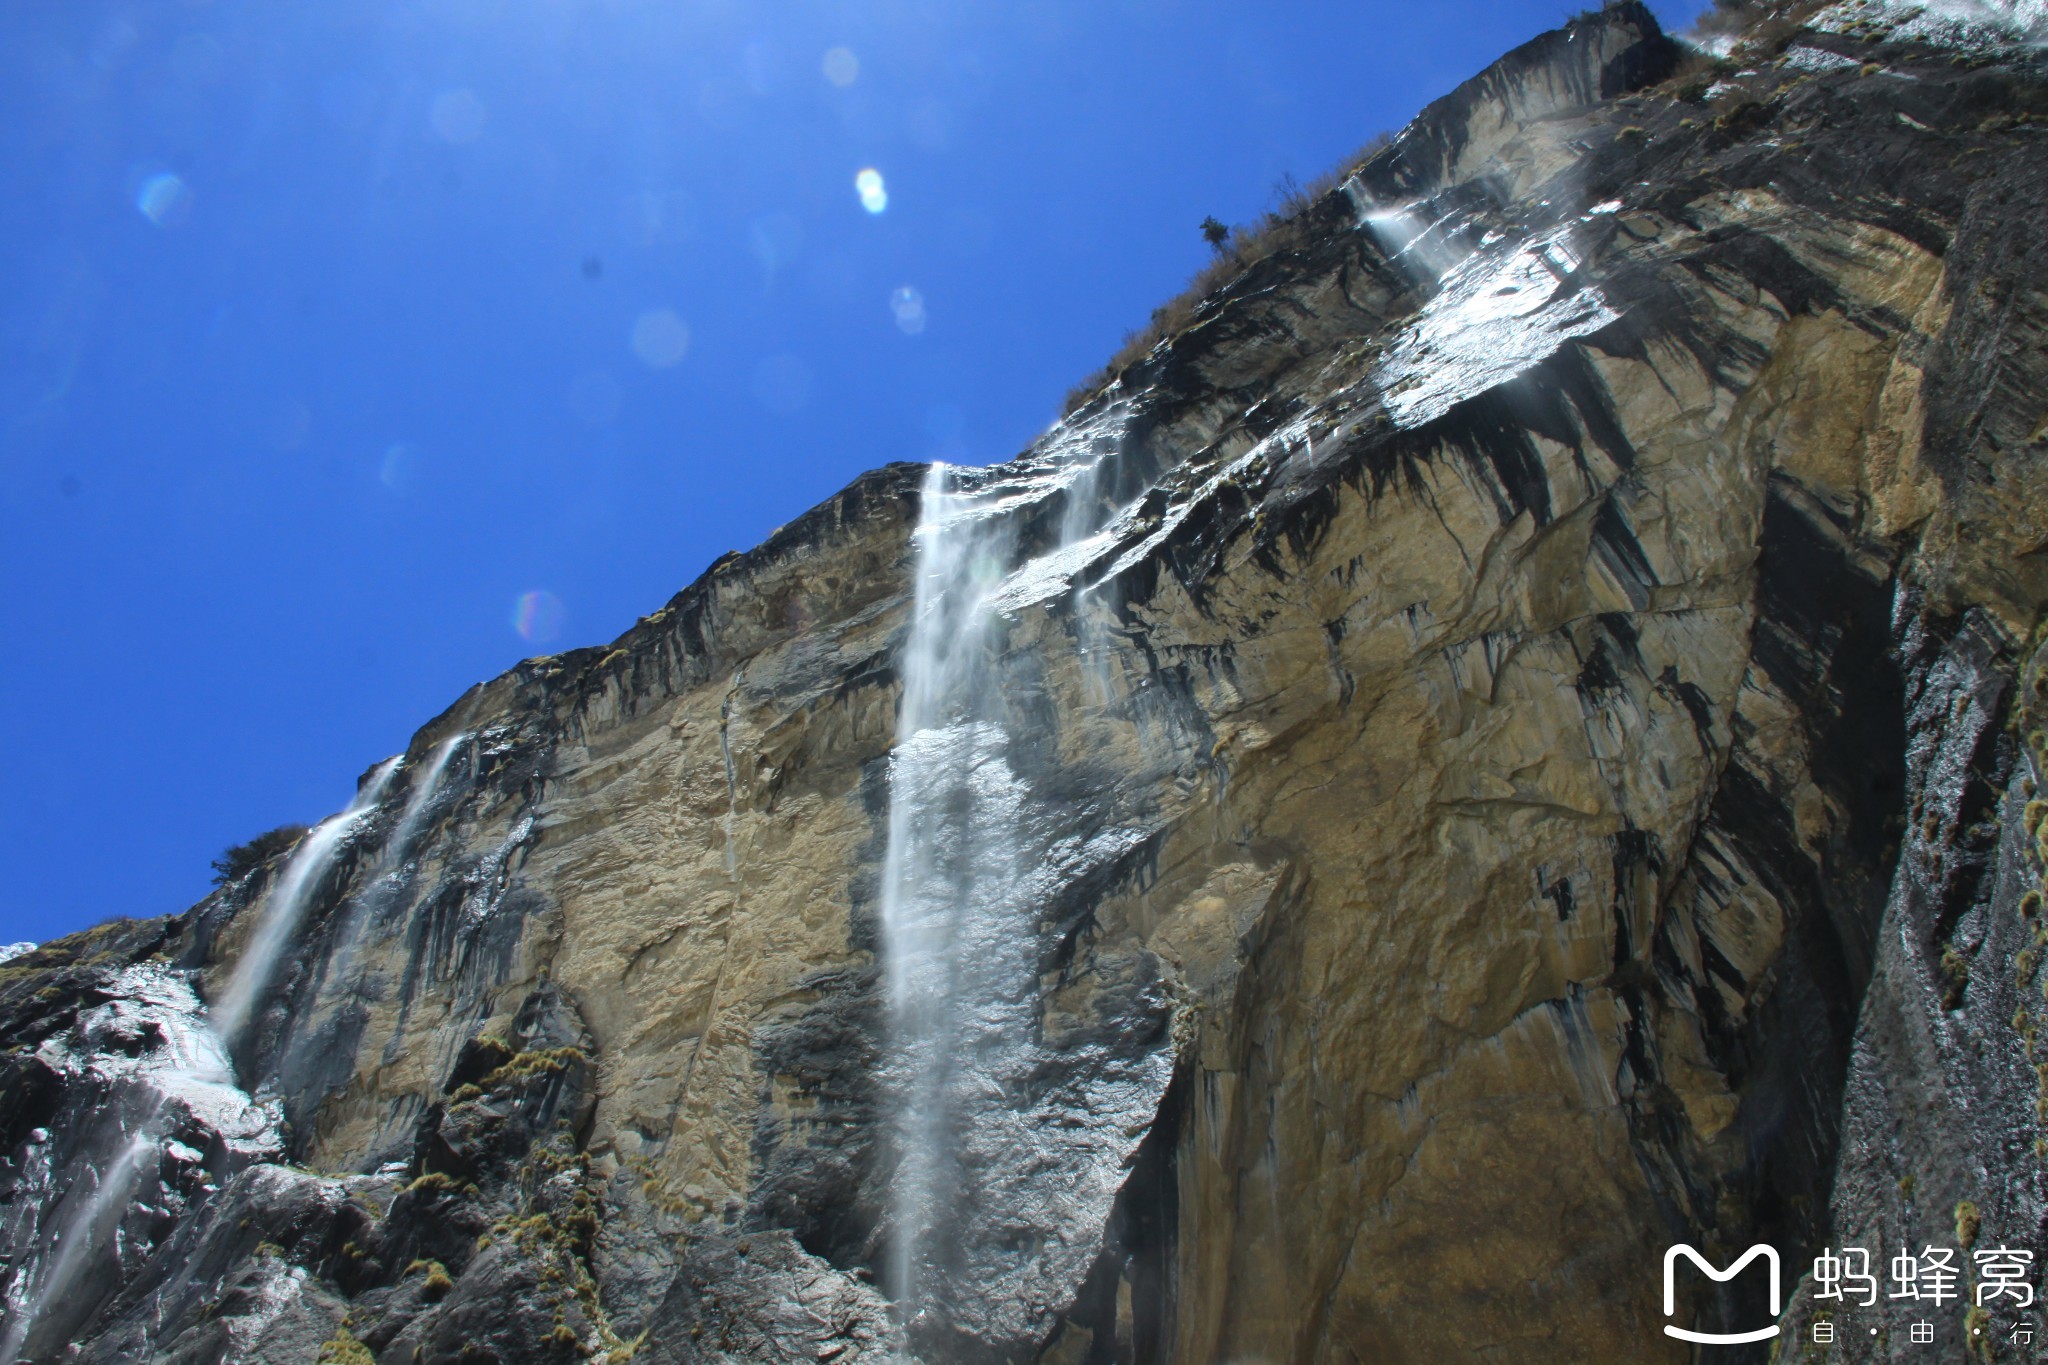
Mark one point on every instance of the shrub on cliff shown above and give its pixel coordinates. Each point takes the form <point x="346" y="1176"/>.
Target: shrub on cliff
<point x="1282" y="228"/>
<point x="242" y="859"/>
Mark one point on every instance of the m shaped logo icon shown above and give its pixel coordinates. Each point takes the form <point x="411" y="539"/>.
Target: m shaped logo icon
<point x="1770" y="1255"/>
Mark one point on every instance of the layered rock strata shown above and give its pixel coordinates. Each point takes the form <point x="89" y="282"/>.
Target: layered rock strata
<point x="1545" y="719"/>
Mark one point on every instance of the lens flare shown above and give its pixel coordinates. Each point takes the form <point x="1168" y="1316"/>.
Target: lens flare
<point x="596" y="397"/>
<point x="164" y="199"/>
<point x="660" y="338"/>
<point x="874" y="196"/>
<point x="458" y="116"/>
<point x="908" y="306"/>
<point x="537" y="616"/>
<point x="395" y="470"/>
<point x="842" y="68"/>
<point x="782" y="384"/>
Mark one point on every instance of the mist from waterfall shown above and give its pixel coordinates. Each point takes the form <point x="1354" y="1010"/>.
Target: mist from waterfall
<point x="1495" y="303"/>
<point x="277" y="922"/>
<point x="964" y="879"/>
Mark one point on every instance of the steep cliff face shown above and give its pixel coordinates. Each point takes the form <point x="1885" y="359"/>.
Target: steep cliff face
<point x="1515" y="731"/>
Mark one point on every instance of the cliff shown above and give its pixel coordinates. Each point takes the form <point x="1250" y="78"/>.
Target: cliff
<point x="1504" y="744"/>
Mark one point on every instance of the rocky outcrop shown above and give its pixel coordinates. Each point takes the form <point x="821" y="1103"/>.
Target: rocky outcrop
<point x="1541" y="725"/>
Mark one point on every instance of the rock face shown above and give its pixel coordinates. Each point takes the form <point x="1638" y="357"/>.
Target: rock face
<point x="1526" y="708"/>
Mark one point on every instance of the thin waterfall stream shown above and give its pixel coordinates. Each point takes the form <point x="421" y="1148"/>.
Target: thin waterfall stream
<point x="419" y="801"/>
<point x="278" y="921"/>
<point x="975" y="855"/>
<point x="86" y="1230"/>
<point x="186" y="1079"/>
<point x="948" y="913"/>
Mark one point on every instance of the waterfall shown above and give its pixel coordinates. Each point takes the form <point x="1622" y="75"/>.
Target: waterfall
<point x="1495" y="304"/>
<point x="969" y="866"/>
<point x="278" y="922"/>
<point x="157" y="1072"/>
<point x="383" y="896"/>
<point x="425" y="788"/>
<point x="181" y="1079"/>
<point x="1423" y="248"/>
<point x="950" y="859"/>
<point x="85" y="1230"/>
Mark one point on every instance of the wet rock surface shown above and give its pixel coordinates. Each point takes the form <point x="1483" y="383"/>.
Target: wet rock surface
<point x="1546" y="717"/>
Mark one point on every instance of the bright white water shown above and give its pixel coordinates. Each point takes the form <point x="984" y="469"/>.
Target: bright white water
<point x="148" y="1052"/>
<point x="277" y="922"/>
<point x="1423" y="248"/>
<point x="160" y="1066"/>
<point x="966" y="872"/>
<point x="1960" y="23"/>
<point x="394" y="867"/>
<point x="89" y="1226"/>
<point x="1494" y="309"/>
<point x="420" y="799"/>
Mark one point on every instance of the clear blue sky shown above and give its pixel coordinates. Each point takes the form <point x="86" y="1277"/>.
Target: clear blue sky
<point x="329" y="333"/>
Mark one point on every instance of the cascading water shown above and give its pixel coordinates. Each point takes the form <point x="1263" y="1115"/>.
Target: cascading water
<point x="951" y="863"/>
<point x="87" y="1229"/>
<point x="986" y="833"/>
<point x="419" y="801"/>
<point x="383" y="893"/>
<point x="278" y="921"/>
<point x="974" y="856"/>
<point x="1497" y="303"/>
<point x="160" y="1066"/>
<point x="147" y="1069"/>
<point x="1421" y="248"/>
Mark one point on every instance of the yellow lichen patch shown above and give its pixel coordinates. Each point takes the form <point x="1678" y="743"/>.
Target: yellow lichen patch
<point x="529" y="1066"/>
<point x="343" y="1349"/>
<point x="1977" y="1332"/>
<point x="1955" y="977"/>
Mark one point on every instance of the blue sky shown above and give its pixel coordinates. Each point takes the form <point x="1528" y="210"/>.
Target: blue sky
<point x="351" y="353"/>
